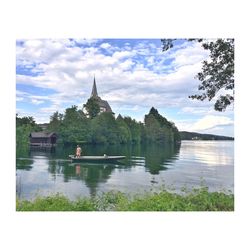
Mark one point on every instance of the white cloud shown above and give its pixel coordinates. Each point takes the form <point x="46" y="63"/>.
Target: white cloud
<point x="211" y="121"/>
<point x="187" y="54"/>
<point x="105" y="46"/>
<point x="126" y="64"/>
<point x="122" y="54"/>
<point x="36" y="102"/>
<point x="41" y="118"/>
<point x="19" y="99"/>
<point x="83" y="41"/>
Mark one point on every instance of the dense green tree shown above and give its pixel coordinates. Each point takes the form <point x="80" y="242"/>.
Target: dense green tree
<point x="217" y="75"/>
<point x="26" y="120"/>
<point x="124" y="133"/>
<point x="135" y="129"/>
<point x="104" y="129"/>
<point x="24" y="126"/>
<point x="177" y="135"/>
<point x="92" y="107"/>
<point x="159" y="129"/>
<point x="55" y="122"/>
<point x="72" y="127"/>
<point x="71" y="115"/>
<point x="75" y="127"/>
<point x="152" y="128"/>
<point x="22" y="134"/>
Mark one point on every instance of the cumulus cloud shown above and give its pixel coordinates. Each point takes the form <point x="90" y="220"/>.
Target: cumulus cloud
<point x="105" y="45"/>
<point x="189" y="55"/>
<point x="62" y="74"/>
<point x="122" y="54"/>
<point x="52" y="58"/>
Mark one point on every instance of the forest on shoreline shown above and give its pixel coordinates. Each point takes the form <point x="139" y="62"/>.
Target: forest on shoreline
<point x="75" y="127"/>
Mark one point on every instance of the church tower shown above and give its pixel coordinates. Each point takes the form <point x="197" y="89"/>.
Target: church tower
<point x="104" y="106"/>
<point x="94" y="90"/>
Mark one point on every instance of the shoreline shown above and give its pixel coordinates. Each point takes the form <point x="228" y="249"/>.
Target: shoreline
<point x="196" y="200"/>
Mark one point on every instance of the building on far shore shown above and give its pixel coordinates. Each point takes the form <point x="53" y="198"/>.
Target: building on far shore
<point x="43" y="139"/>
<point x="104" y="105"/>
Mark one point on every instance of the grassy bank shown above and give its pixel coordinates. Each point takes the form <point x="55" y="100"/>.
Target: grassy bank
<point x="197" y="200"/>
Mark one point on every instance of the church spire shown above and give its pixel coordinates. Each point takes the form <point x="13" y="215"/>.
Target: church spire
<point x="94" y="90"/>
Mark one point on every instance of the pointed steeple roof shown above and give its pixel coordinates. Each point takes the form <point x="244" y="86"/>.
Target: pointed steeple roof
<point x="94" y="90"/>
<point x="104" y="106"/>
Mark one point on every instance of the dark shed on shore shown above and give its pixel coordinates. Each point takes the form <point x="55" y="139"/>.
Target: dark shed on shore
<point x="43" y="139"/>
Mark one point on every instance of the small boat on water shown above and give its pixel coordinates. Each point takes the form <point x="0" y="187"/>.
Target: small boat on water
<point x="104" y="158"/>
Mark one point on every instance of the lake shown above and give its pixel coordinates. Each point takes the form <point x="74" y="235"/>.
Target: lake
<point x="147" y="167"/>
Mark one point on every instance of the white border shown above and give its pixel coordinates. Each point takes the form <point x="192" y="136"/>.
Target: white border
<point x="121" y="19"/>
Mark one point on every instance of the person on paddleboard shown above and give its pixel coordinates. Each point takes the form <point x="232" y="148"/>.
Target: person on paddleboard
<point x="78" y="151"/>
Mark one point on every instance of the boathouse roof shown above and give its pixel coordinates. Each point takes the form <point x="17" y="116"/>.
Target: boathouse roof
<point x="42" y="134"/>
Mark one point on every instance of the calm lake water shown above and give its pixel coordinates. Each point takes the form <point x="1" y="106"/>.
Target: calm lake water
<point x="189" y="165"/>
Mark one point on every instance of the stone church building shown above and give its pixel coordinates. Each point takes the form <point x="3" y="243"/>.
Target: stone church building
<point x="104" y="106"/>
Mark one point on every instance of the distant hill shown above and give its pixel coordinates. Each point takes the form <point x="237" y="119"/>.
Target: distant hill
<point x="197" y="136"/>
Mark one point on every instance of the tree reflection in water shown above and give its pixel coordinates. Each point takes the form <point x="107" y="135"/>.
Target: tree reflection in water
<point x="158" y="158"/>
<point x="151" y="158"/>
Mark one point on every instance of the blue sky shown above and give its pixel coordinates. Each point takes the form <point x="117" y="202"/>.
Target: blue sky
<point x="133" y="75"/>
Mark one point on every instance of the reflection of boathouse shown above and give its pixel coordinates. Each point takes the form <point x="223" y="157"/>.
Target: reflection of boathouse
<point x="43" y="139"/>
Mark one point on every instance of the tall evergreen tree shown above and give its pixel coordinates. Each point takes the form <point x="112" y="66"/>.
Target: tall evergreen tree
<point x="159" y="129"/>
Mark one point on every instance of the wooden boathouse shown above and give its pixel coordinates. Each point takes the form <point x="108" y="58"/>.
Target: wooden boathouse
<point x="43" y="139"/>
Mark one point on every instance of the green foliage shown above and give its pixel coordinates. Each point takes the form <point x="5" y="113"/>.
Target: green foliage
<point x="24" y="126"/>
<point x="75" y="127"/>
<point x="110" y="201"/>
<point x="197" y="200"/>
<point x="159" y="129"/>
<point x="55" y="122"/>
<point x="92" y="107"/>
<point x="124" y="133"/>
<point x="104" y="129"/>
<point x="26" y="120"/>
<point x="135" y="129"/>
<point x="217" y="75"/>
<point x="22" y="134"/>
<point x="71" y="115"/>
<point x="55" y="203"/>
<point x="177" y="135"/>
<point x="71" y="127"/>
